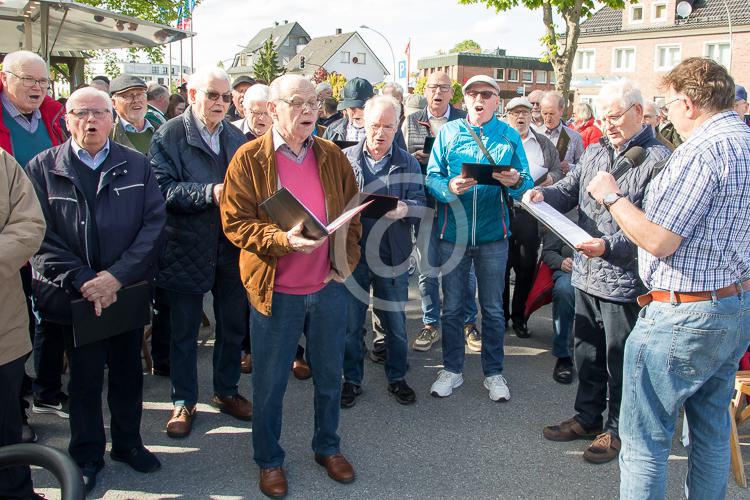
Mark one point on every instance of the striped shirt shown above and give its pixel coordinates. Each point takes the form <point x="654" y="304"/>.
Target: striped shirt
<point x="703" y="195"/>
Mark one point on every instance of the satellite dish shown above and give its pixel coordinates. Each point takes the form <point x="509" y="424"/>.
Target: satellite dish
<point x="355" y="60"/>
<point x="684" y="9"/>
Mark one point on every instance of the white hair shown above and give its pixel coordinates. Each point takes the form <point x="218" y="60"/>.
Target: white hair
<point x="651" y="105"/>
<point x="625" y="92"/>
<point x="323" y="86"/>
<point x="14" y="60"/>
<point x="381" y="101"/>
<point x="554" y="95"/>
<point x="205" y="74"/>
<point x="255" y="93"/>
<point x="277" y="87"/>
<point x="88" y="92"/>
<point x="583" y="111"/>
<point x="398" y="89"/>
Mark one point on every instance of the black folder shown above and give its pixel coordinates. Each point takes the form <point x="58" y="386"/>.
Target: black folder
<point x="428" y="143"/>
<point x="562" y="144"/>
<point x="345" y="144"/>
<point x="131" y="311"/>
<point x="381" y="204"/>
<point x="482" y="172"/>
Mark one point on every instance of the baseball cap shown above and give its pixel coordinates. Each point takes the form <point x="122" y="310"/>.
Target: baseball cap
<point x="355" y="93"/>
<point x="481" y="79"/>
<point x="740" y="94"/>
<point x="125" y="82"/>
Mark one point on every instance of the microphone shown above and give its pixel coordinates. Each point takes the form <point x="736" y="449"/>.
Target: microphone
<point x="632" y="158"/>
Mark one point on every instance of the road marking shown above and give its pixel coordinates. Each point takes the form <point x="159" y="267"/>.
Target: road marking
<point x="229" y="430"/>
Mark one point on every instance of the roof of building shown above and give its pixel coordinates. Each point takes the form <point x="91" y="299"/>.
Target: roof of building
<point x="319" y="50"/>
<point x="706" y="14"/>
<point x="482" y="61"/>
<point x="277" y="33"/>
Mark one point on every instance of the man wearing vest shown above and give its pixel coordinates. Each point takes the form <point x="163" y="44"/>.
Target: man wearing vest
<point x="131" y="129"/>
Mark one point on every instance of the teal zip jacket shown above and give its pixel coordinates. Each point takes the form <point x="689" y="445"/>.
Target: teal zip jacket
<point x="479" y="215"/>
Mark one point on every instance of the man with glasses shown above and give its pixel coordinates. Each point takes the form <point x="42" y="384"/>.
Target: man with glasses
<point x="105" y="217"/>
<point x="605" y="269"/>
<point x="535" y="99"/>
<point x="257" y="121"/>
<point x="132" y="127"/>
<point x="474" y="229"/>
<point x="190" y="158"/>
<point x="239" y="87"/>
<point x="552" y="107"/>
<point x="294" y="283"/>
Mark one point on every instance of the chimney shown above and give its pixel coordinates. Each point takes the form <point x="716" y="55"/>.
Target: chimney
<point x="286" y="22"/>
<point x="338" y="31"/>
<point x="275" y="23"/>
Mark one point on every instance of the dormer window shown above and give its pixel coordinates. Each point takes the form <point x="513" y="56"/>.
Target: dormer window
<point x="660" y="12"/>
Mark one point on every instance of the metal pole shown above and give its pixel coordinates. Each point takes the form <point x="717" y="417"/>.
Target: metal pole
<point x="192" y="28"/>
<point x="729" y="20"/>
<point x="169" y="76"/>
<point x="44" y="34"/>
<point x="180" y="82"/>
<point x="393" y="57"/>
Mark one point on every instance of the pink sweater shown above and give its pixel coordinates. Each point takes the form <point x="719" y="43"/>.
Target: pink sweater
<point x="300" y="273"/>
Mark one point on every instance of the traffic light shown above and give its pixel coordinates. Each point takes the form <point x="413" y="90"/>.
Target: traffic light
<point x="301" y="62"/>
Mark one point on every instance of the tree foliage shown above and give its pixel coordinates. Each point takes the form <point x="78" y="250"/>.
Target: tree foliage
<point x="266" y="67"/>
<point x="467" y="46"/>
<point x="337" y="82"/>
<point x="458" y="94"/>
<point x="320" y="75"/>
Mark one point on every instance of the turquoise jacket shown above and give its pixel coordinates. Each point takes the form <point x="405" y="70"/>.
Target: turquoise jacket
<point x="479" y="215"/>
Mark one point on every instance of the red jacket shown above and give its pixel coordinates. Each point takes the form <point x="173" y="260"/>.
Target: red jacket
<point x="51" y="110"/>
<point x="589" y="132"/>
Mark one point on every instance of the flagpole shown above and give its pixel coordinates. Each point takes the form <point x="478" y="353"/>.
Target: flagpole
<point x="408" y="64"/>
<point x="169" y="76"/>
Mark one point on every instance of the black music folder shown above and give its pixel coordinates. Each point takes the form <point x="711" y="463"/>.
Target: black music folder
<point x="345" y="144"/>
<point x="482" y="172"/>
<point x="381" y="204"/>
<point x="429" y="141"/>
<point x="132" y="310"/>
<point x="562" y="143"/>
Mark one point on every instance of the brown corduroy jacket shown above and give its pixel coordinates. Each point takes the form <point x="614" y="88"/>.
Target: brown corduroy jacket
<point x="251" y="178"/>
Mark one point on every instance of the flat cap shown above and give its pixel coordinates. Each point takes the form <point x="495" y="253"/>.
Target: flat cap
<point x="481" y="79"/>
<point x="125" y="82"/>
<point x="243" y="79"/>
<point x="518" y="101"/>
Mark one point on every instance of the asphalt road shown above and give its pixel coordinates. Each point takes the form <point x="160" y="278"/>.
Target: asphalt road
<point x="465" y="446"/>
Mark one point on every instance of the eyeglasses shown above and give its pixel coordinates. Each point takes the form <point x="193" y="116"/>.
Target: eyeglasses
<point x="298" y="105"/>
<point x="614" y="120"/>
<point x="441" y="88"/>
<point x="667" y="104"/>
<point x="486" y="94"/>
<point x="29" y="82"/>
<point x="259" y="113"/>
<point x="214" y="96"/>
<point x="519" y="112"/>
<point x="386" y="128"/>
<point x="132" y="97"/>
<point x="83" y="113"/>
<point x="535" y="103"/>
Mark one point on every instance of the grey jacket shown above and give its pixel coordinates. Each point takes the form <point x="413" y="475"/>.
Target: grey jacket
<point x="614" y="275"/>
<point x="416" y="128"/>
<point x="551" y="158"/>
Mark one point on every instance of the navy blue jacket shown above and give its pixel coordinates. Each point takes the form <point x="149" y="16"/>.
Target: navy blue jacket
<point x="129" y="216"/>
<point x="336" y="131"/>
<point x="405" y="182"/>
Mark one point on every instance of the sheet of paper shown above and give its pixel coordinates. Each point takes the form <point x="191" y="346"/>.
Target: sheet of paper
<point x="563" y="227"/>
<point x="346" y="217"/>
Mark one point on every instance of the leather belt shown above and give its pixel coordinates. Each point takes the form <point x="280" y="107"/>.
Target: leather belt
<point x="683" y="297"/>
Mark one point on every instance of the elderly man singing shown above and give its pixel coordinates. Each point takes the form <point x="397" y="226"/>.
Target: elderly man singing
<point x="256" y="119"/>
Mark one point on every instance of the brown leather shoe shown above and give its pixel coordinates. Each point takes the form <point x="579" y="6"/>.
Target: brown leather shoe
<point x="301" y="369"/>
<point x="338" y="468"/>
<point x="605" y="448"/>
<point x="246" y="364"/>
<point x="235" y="405"/>
<point x="181" y="422"/>
<point x="273" y="482"/>
<point x="569" y="430"/>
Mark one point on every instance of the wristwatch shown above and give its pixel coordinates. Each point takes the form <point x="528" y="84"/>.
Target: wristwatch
<point x="610" y="199"/>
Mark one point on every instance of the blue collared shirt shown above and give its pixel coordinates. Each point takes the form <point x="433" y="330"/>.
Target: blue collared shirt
<point x="280" y="145"/>
<point x="93" y="162"/>
<point x="375" y="166"/>
<point x="353" y="133"/>
<point x="212" y="139"/>
<point x="703" y="195"/>
<point x="29" y="125"/>
<point x="129" y="127"/>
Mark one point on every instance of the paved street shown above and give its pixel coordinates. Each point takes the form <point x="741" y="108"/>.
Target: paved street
<point x="465" y="446"/>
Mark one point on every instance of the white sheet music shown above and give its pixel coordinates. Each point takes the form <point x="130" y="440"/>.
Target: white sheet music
<point x="563" y="227"/>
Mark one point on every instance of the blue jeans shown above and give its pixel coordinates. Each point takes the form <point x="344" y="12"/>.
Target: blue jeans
<point x="429" y="265"/>
<point x="274" y="339"/>
<point x="563" y="313"/>
<point x="393" y="291"/>
<point x="681" y="355"/>
<point x="489" y="260"/>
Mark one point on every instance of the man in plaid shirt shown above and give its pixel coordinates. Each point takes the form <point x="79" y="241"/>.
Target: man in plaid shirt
<point x="694" y="256"/>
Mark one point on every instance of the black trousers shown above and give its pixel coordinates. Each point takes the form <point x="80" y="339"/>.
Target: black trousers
<point x="160" y="329"/>
<point x="122" y="354"/>
<point x="49" y="347"/>
<point x="523" y="250"/>
<point x="601" y="329"/>
<point x="15" y="482"/>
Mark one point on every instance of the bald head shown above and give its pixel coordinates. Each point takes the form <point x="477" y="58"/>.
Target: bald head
<point x="288" y="85"/>
<point x="439" y="78"/>
<point x="438" y="91"/>
<point x="535" y="98"/>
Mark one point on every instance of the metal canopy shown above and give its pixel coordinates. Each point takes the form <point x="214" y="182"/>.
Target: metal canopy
<point x="44" y="26"/>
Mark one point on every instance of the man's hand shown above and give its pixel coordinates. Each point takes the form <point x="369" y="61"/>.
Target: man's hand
<point x="565" y="167"/>
<point x="218" y="189"/>
<point x="399" y="212"/>
<point x="533" y="196"/>
<point x="594" y="247"/>
<point x="459" y="185"/>
<point x="101" y="290"/>
<point x="548" y="181"/>
<point x="300" y="243"/>
<point x="421" y="157"/>
<point x="507" y="178"/>
<point x="333" y="275"/>
<point x="567" y="265"/>
<point x="601" y="185"/>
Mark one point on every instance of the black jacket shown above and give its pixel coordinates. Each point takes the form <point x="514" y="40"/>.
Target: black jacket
<point x="614" y="275"/>
<point x="129" y="216"/>
<point x="336" y="131"/>
<point x="187" y="171"/>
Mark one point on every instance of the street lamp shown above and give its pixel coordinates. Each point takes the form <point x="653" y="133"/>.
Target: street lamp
<point x="685" y="8"/>
<point x="393" y="58"/>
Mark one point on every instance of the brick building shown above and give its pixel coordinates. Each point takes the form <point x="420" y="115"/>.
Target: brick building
<point x="512" y="73"/>
<point x="645" y="40"/>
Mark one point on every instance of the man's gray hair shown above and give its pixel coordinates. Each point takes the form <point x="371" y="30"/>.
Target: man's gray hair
<point x="255" y="93"/>
<point x="202" y="76"/>
<point x="87" y="92"/>
<point x="625" y="92"/>
<point x="323" y="86"/>
<point x="14" y="60"/>
<point x="652" y="106"/>
<point x="379" y="101"/>
<point x="394" y="88"/>
<point x="156" y="91"/>
<point x="276" y="89"/>
<point x="552" y="95"/>
<point x="583" y="111"/>
<point x="538" y="92"/>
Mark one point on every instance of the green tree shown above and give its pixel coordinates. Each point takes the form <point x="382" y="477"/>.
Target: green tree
<point x="337" y="82"/>
<point x="458" y="94"/>
<point x="560" y="43"/>
<point x="467" y="46"/>
<point x="266" y="67"/>
<point x="111" y="68"/>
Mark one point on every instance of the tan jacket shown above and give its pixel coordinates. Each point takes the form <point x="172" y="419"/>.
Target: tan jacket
<point x="21" y="233"/>
<point x="251" y="178"/>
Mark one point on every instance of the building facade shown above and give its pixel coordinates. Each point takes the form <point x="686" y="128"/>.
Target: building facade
<point x="288" y="39"/>
<point x="158" y="73"/>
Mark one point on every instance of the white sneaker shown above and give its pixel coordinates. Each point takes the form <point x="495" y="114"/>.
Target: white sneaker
<point x="498" y="388"/>
<point x="445" y="383"/>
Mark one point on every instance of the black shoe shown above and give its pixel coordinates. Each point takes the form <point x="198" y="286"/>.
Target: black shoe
<point x="349" y="393"/>
<point x="89" y="470"/>
<point x="563" y="372"/>
<point x="522" y="331"/>
<point x="376" y="356"/>
<point x="404" y="394"/>
<point x="161" y="370"/>
<point x="140" y="459"/>
<point x="57" y="406"/>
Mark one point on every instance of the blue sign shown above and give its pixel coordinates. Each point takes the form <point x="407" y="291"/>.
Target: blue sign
<point x="402" y="69"/>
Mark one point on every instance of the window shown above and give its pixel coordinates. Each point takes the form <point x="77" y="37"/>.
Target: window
<point x="500" y="74"/>
<point x="161" y="81"/>
<point x="527" y="76"/>
<point x="512" y="75"/>
<point x="584" y="61"/>
<point x="624" y="59"/>
<point x="718" y="51"/>
<point x="345" y="57"/>
<point x="660" y="12"/>
<point x="636" y="14"/>
<point x="500" y="107"/>
<point x="541" y="76"/>
<point x="359" y="58"/>
<point x="552" y="78"/>
<point x="667" y="57"/>
<point x="154" y="70"/>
